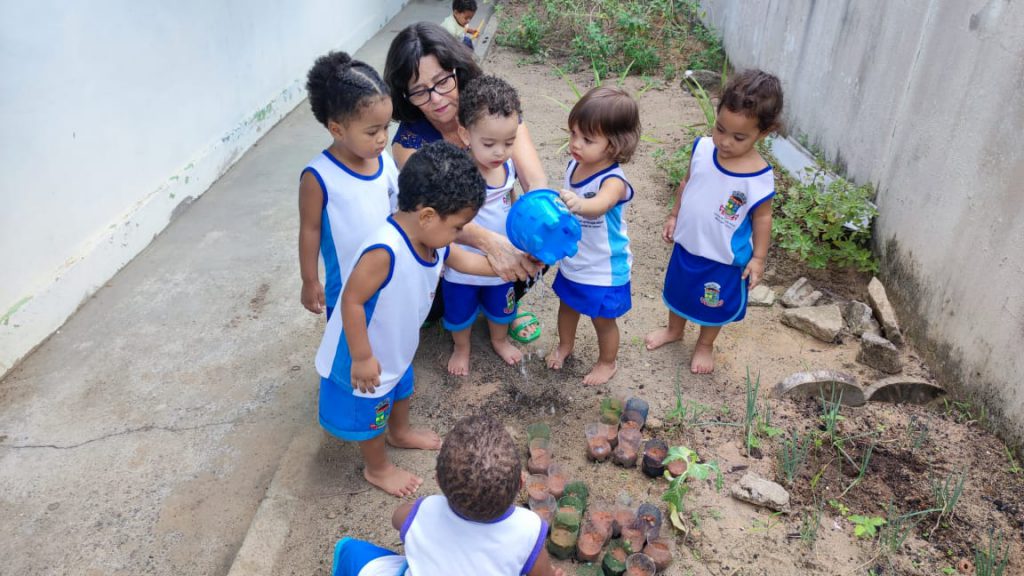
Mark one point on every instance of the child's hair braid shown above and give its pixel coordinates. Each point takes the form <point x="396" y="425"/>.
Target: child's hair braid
<point x="478" y="469"/>
<point x="339" y="86"/>
<point x="757" y="94"/>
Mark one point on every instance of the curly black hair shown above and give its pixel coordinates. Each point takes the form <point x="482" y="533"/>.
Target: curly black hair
<point x="443" y="177"/>
<point x="403" y="62"/>
<point x="757" y="94"/>
<point x="339" y="87"/>
<point x="463" y="5"/>
<point x="478" y="469"/>
<point x="488" y="96"/>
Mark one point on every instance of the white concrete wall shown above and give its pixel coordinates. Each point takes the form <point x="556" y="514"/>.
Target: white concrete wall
<point x="924" y="99"/>
<point x="116" y="113"/>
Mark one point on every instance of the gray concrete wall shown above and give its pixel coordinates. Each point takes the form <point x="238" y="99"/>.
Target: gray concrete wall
<point x="924" y="99"/>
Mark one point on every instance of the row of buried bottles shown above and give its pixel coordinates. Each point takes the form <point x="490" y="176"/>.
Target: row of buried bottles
<point x="629" y="536"/>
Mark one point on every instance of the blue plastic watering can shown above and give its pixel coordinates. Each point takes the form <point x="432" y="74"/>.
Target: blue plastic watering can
<point x="540" y="225"/>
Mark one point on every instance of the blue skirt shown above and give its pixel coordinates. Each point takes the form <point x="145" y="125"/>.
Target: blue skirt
<point x="703" y="291"/>
<point x="593" y="301"/>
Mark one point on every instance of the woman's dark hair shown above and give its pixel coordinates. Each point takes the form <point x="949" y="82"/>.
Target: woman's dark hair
<point x="488" y="96"/>
<point x="612" y="113"/>
<point x="463" y="5"/>
<point x="403" y="62"/>
<point x="478" y="469"/>
<point x="339" y="86"/>
<point x="756" y="94"/>
<point x="443" y="177"/>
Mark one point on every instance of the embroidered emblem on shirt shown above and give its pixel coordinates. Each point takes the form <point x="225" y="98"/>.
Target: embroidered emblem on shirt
<point x="711" y="299"/>
<point x="732" y="206"/>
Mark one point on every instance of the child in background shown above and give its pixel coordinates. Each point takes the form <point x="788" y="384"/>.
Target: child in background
<point x="457" y="24"/>
<point x="365" y="358"/>
<point x="721" y="222"/>
<point x="473" y="528"/>
<point x="348" y="190"/>
<point x="489" y="112"/>
<point x="604" y="130"/>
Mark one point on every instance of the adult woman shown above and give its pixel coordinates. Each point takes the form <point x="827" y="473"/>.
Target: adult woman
<point x="425" y="67"/>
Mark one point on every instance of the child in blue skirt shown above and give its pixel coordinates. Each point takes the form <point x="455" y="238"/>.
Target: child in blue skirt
<point x="604" y="130"/>
<point x="721" y="222"/>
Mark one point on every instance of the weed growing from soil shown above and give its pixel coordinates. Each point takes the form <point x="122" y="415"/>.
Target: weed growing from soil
<point x="793" y="455"/>
<point x="899" y="526"/>
<point x="810" y="520"/>
<point x="992" y="561"/>
<point x="1014" y="468"/>
<point x="648" y="36"/>
<point x="946" y="493"/>
<point x="866" y="526"/>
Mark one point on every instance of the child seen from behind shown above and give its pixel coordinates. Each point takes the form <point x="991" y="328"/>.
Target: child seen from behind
<point x="365" y="357"/>
<point x="347" y="190"/>
<point x="473" y="527"/>
<point x="489" y="112"/>
<point x="721" y="222"/>
<point x="604" y="130"/>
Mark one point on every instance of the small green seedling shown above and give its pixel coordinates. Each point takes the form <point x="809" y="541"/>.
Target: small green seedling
<point x="675" y="496"/>
<point x="866" y="527"/>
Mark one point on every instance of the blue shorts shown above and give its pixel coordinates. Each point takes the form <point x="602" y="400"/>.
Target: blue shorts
<point x="462" y="302"/>
<point x="593" y="301"/>
<point x="703" y="291"/>
<point x="358" y="558"/>
<point x="356" y="418"/>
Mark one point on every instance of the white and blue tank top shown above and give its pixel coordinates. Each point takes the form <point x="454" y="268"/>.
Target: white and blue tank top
<point x="491" y="216"/>
<point x="604" y="257"/>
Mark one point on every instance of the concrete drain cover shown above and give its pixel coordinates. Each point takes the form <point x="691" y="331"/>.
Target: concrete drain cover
<point x="903" y="390"/>
<point x="820" y="383"/>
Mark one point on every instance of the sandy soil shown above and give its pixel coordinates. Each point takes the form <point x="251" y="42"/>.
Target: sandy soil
<point x="727" y="537"/>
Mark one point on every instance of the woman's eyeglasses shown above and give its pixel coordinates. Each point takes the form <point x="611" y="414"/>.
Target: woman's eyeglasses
<point x="442" y="86"/>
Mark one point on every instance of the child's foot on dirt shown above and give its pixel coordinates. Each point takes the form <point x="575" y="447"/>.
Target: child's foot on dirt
<point x="508" y="352"/>
<point x="393" y="480"/>
<point x="417" y="439"/>
<point x="458" y="364"/>
<point x="601" y="373"/>
<point x="660" y="337"/>
<point x="703" y="359"/>
<point x="557" y="357"/>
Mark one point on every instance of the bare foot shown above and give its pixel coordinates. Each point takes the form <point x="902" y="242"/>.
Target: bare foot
<point x="458" y="364"/>
<point x="660" y="337"/>
<point x="393" y="480"/>
<point x="703" y="359"/>
<point x="504" y="348"/>
<point x="418" y="439"/>
<point x="601" y="373"/>
<point x="557" y="357"/>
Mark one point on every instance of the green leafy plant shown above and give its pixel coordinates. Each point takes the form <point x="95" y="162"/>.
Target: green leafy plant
<point x="525" y="33"/>
<point x="992" y="561"/>
<point x="864" y="526"/>
<point x="1014" y="467"/>
<point x="826" y="222"/>
<point x="793" y="455"/>
<point x="767" y="524"/>
<point x="675" y="495"/>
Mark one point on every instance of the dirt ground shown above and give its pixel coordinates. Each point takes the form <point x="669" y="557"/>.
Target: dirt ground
<point x="727" y="537"/>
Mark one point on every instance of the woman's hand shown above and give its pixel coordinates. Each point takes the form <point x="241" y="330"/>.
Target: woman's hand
<point x="509" y="262"/>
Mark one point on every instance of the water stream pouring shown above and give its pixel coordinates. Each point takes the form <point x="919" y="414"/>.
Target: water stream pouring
<point x="540" y="225"/>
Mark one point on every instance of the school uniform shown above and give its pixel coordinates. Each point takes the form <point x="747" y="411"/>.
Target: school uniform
<point x="353" y="206"/>
<point x="595" y="282"/>
<point x="465" y="295"/>
<point x="714" y="239"/>
<point x="393" y="318"/>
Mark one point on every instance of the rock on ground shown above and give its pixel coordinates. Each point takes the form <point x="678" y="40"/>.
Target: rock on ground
<point x="800" y="295"/>
<point x="822" y="322"/>
<point x="822" y="383"/>
<point x="879" y="301"/>
<point x="880" y="354"/>
<point x="860" y="319"/>
<point x="757" y="490"/>
<point x="761" y="295"/>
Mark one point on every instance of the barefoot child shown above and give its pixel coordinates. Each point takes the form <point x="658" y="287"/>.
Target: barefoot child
<point x="489" y="113"/>
<point x="473" y="528"/>
<point x="721" y="223"/>
<point x="604" y="129"/>
<point x="348" y="190"/>
<point x="365" y="358"/>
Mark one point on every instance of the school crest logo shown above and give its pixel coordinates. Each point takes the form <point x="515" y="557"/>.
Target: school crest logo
<point x="731" y="208"/>
<point x="712" y="295"/>
<point x="510" y="300"/>
<point x="506" y="199"/>
<point x="380" y="414"/>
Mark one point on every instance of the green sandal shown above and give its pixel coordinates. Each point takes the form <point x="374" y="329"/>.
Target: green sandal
<point x="514" y="329"/>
